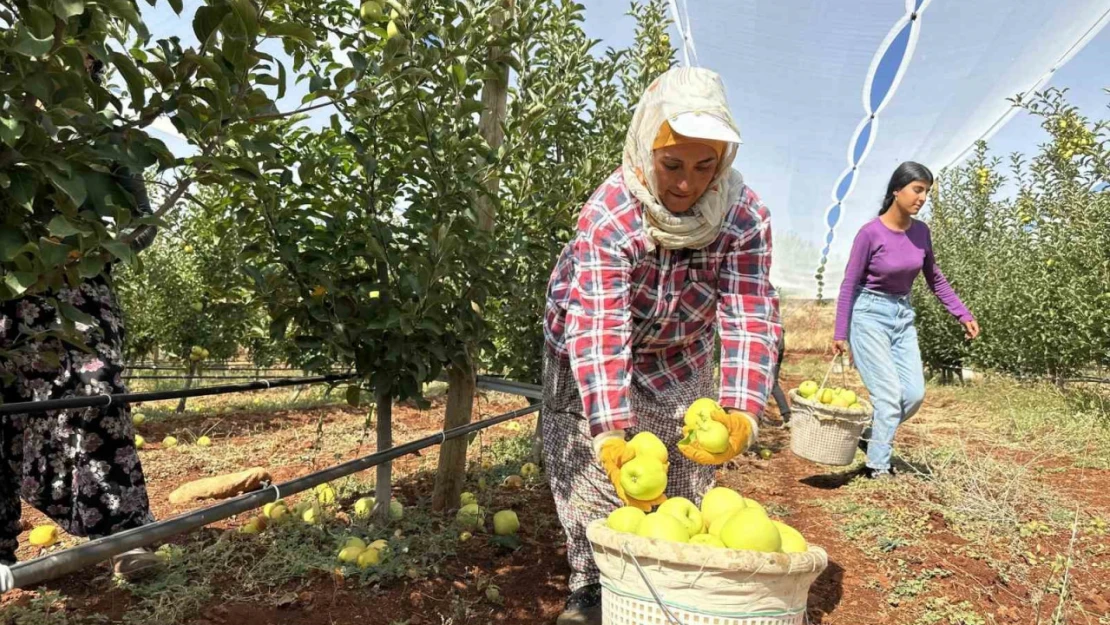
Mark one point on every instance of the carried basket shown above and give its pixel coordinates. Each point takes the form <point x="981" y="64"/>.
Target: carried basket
<point x="647" y="580"/>
<point x="824" y="433"/>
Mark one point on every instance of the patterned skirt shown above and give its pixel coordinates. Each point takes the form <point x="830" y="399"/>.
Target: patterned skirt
<point x="79" y="467"/>
<point x="581" y="488"/>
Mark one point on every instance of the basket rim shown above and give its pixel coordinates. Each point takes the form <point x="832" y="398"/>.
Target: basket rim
<point x="601" y="535"/>
<point x="696" y="610"/>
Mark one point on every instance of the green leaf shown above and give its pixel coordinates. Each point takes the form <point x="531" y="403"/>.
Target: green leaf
<point x="10" y="242"/>
<point x="53" y="254"/>
<point x="10" y="130"/>
<point x="136" y="84"/>
<point x="292" y="31"/>
<point x="459" y="70"/>
<point x="69" y="312"/>
<point x="61" y="227"/>
<point x="20" y="281"/>
<point x="90" y="267"/>
<point x="28" y="45"/>
<point x="22" y="188"/>
<point x="281" y="80"/>
<point x="208" y="19"/>
<point x="66" y="9"/>
<point x="73" y="187"/>
<point x="119" y="249"/>
<point x="176" y="6"/>
<point x="247" y="14"/>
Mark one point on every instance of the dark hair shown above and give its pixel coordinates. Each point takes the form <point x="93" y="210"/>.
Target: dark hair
<point x="906" y="173"/>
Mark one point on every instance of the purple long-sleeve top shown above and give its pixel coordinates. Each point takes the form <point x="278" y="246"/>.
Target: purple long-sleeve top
<point x="888" y="261"/>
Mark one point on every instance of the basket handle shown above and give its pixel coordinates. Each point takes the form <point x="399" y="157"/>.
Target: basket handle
<point x="671" y="618"/>
<point x="844" y="374"/>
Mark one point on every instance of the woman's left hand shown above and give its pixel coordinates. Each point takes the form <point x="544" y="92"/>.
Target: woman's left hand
<point x="971" y="329"/>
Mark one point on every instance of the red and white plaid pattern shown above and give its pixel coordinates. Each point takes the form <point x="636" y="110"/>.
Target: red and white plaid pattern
<point x="622" y="312"/>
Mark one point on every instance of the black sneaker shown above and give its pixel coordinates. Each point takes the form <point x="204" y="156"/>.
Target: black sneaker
<point x="583" y="607"/>
<point x="877" y="474"/>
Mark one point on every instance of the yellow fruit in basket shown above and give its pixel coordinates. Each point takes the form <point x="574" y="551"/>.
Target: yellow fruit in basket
<point x="827" y="396"/>
<point x="685" y="511"/>
<point x="856" y="406"/>
<point x="714" y="529"/>
<point x="719" y="502"/>
<point x="840" y="401"/>
<point x="663" y="526"/>
<point x="648" y="445"/>
<point x="44" y="535"/>
<point x="626" y="519"/>
<point x="792" y="539"/>
<point x="708" y="540"/>
<point x="807" y="389"/>
<point x="751" y="530"/>
<point x="701" y="411"/>
<point x="644" y="478"/>
<point x="849" y="396"/>
<point x="751" y="503"/>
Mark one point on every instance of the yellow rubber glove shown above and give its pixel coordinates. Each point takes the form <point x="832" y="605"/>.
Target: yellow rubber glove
<point x="612" y="452"/>
<point x="742" y="431"/>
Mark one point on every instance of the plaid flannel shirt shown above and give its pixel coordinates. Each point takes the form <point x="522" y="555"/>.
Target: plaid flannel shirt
<point x="622" y="312"/>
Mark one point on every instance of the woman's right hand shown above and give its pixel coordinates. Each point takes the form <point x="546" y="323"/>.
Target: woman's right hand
<point x="840" y="347"/>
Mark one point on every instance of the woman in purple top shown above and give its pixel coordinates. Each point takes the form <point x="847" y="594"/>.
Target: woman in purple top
<point x="874" y="316"/>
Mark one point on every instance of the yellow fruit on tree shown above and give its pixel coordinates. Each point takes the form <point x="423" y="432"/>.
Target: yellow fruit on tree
<point x="391" y="30"/>
<point x="371" y="11"/>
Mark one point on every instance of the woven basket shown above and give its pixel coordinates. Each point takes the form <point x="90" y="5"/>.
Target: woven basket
<point x="826" y="434"/>
<point x="650" y="581"/>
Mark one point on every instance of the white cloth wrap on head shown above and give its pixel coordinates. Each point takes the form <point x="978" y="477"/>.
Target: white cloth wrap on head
<point x="679" y="91"/>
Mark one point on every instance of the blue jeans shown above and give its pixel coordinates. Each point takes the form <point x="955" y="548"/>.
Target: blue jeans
<point x="884" y="347"/>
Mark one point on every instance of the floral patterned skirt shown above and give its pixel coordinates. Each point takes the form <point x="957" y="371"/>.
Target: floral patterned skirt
<point x="80" y="466"/>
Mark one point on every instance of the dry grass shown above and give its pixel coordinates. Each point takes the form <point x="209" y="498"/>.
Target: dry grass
<point x="809" y="325"/>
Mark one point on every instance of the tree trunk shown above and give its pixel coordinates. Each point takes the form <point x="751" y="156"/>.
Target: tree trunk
<point x="537" y="436"/>
<point x="452" y="454"/>
<point x="188" y="385"/>
<point x="495" y="103"/>
<point x="383" y="489"/>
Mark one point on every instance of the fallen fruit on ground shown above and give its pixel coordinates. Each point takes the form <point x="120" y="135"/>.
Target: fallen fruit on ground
<point x="350" y="554"/>
<point x="505" y="523"/>
<point x="44" y="536"/>
<point x="514" y="482"/>
<point x="529" y="469"/>
<point x="368" y="558"/>
<point x="470" y="516"/>
<point x="363" y="507"/>
<point x="204" y="441"/>
<point x="467" y="498"/>
<point x="169" y="441"/>
<point x="138" y="418"/>
<point x="396" y="510"/>
<point x="325" y="494"/>
<point x="139" y="442"/>
<point x="465" y="536"/>
<point x="765" y="453"/>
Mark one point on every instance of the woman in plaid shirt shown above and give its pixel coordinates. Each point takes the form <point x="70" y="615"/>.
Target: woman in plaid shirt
<point x="672" y="248"/>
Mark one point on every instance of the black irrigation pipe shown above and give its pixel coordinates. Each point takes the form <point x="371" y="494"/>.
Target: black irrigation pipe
<point x="83" y="556"/>
<point x="131" y="398"/>
<point x="199" y="377"/>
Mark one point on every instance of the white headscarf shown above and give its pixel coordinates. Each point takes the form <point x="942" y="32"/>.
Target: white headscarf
<point x="678" y="91"/>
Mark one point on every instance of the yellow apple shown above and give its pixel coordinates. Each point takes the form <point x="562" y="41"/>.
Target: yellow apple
<point x="139" y="442"/>
<point x="514" y="482"/>
<point x="204" y="441"/>
<point x="371" y="11"/>
<point x="840" y="401"/>
<point x="369" y="557"/>
<point x="792" y="539"/>
<point x="44" y="535"/>
<point x="713" y="436"/>
<point x="505" y="523"/>
<point x="751" y="530"/>
<point x="470" y="516"/>
<point x="138" y="418"/>
<point x="350" y="554"/>
<point x="396" y="510"/>
<point x="467" y="498"/>
<point x="644" y="478"/>
<point x="701" y="411"/>
<point x="718" y="502"/>
<point x="856" y="406"/>
<point x="807" y="389"/>
<point x="529" y="470"/>
<point x="718" y="524"/>
<point x="751" y="503"/>
<point x="685" y="511"/>
<point x="626" y="519"/>
<point x="169" y="441"/>
<point x="850" y="396"/>
<point x="363" y="507"/>
<point x="355" y="541"/>
<point x="708" y="540"/>
<point x="827" y="396"/>
<point x="648" y="445"/>
<point x="268" y="509"/>
<point x="664" y="526"/>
